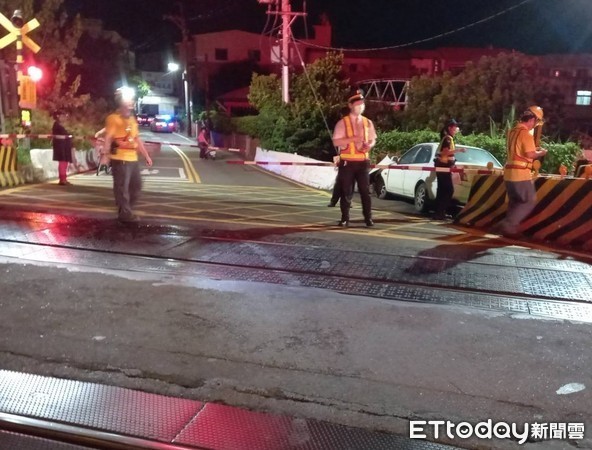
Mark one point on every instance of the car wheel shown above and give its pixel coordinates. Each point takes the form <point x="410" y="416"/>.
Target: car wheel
<point x="421" y="198"/>
<point x="379" y="187"/>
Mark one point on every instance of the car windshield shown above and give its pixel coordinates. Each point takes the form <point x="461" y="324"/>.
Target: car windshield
<point x="477" y="156"/>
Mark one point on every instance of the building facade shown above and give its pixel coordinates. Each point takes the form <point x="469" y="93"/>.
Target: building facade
<point x="209" y="53"/>
<point x="161" y="98"/>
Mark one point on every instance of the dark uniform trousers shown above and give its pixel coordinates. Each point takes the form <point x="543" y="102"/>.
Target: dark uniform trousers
<point x="352" y="172"/>
<point x="445" y="190"/>
<point x="337" y="188"/>
<point x="127" y="185"/>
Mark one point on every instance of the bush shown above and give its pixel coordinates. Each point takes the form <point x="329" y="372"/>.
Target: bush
<point x="558" y="154"/>
<point x="218" y="120"/>
<point x="23" y="156"/>
<point x="246" y="125"/>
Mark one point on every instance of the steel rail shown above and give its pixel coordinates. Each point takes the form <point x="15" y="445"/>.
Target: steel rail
<point x="312" y="273"/>
<point x="78" y="435"/>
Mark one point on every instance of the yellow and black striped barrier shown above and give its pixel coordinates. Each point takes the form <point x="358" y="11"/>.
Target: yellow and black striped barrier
<point x="9" y="175"/>
<point x="563" y="212"/>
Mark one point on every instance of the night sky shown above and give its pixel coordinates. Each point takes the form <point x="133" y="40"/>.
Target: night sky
<point x="538" y="27"/>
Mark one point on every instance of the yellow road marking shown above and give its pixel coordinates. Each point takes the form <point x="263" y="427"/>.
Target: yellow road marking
<point x="189" y="168"/>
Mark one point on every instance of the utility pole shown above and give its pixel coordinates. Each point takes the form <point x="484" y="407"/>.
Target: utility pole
<point x="286" y="36"/>
<point x="288" y="18"/>
<point x="181" y="23"/>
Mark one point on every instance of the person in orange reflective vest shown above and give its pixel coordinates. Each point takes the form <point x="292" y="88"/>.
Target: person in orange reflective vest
<point x="445" y="158"/>
<point x="355" y="136"/>
<point x="522" y="151"/>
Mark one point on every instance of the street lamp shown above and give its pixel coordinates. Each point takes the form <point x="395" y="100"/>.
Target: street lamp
<point x="175" y="67"/>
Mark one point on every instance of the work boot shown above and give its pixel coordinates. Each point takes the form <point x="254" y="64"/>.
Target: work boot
<point x="343" y="223"/>
<point x="331" y="205"/>
<point x="369" y="223"/>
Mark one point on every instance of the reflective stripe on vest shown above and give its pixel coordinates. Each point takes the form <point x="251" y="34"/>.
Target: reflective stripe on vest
<point x="516" y="161"/>
<point x="349" y="153"/>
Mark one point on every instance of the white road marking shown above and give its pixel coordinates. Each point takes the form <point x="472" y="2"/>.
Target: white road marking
<point x="182" y="173"/>
<point x="570" y="388"/>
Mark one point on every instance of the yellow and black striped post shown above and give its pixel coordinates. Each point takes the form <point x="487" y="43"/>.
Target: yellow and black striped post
<point x="9" y="174"/>
<point x="563" y="212"/>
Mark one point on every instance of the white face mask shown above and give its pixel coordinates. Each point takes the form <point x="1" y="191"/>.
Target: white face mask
<point x="359" y="109"/>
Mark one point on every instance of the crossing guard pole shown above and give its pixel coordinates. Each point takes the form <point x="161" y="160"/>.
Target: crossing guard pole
<point x="17" y="21"/>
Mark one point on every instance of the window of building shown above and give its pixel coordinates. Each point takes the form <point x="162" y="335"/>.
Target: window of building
<point x="584" y="98"/>
<point x="582" y="73"/>
<point x="221" y="54"/>
<point x="255" y="55"/>
<point x="556" y="73"/>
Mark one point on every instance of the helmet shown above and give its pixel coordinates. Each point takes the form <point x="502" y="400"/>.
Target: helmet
<point x="535" y="111"/>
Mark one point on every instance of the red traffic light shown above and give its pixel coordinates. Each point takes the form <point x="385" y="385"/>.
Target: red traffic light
<point x="35" y="73"/>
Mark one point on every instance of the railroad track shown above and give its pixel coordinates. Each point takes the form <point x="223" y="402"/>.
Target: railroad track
<point x="311" y="264"/>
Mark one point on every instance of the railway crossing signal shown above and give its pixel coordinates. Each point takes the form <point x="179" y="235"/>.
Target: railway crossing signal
<point x="17" y="32"/>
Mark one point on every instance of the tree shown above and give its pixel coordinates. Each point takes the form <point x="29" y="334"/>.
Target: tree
<point x="305" y="124"/>
<point x="482" y="92"/>
<point x="141" y="86"/>
<point x="105" y="56"/>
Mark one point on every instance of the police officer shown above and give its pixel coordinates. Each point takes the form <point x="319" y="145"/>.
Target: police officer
<point x="123" y="140"/>
<point x="445" y="158"/>
<point x="522" y="151"/>
<point x="355" y="136"/>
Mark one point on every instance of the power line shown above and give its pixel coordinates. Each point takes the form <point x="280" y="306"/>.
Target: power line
<point x="419" y="41"/>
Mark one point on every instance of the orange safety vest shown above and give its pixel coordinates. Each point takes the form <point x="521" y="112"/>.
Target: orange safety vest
<point x="516" y="161"/>
<point x="349" y="153"/>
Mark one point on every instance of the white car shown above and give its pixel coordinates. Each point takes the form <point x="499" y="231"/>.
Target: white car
<point x="421" y="186"/>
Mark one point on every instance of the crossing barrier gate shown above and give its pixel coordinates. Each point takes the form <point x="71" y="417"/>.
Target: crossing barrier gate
<point x="563" y="211"/>
<point x="9" y="174"/>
